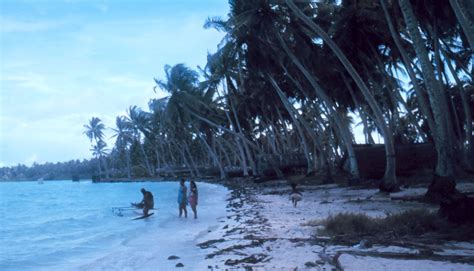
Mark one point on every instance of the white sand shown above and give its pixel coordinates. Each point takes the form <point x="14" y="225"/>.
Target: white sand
<point x="284" y="232"/>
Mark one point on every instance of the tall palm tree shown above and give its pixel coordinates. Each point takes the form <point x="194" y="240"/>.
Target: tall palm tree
<point x="95" y="132"/>
<point x="138" y="121"/>
<point x="389" y="183"/>
<point x="124" y="138"/>
<point x="443" y="182"/>
<point x="188" y="98"/>
<point x="465" y="16"/>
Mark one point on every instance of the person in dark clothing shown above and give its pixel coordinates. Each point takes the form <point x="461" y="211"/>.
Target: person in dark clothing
<point x="147" y="203"/>
<point x="182" y="199"/>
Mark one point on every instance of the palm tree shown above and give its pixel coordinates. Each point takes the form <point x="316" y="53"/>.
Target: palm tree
<point x="95" y="132"/>
<point x="389" y="183"/>
<point x="124" y="138"/>
<point x="187" y="99"/>
<point x="443" y="182"/>
<point x="138" y="121"/>
<point x="466" y="19"/>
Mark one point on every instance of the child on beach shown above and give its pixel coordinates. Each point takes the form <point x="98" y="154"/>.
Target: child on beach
<point x="295" y="195"/>
<point x="193" y="197"/>
<point x="182" y="199"/>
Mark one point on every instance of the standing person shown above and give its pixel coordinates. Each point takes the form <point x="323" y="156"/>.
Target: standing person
<point x="193" y="197"/>
<point x="295" y="195"/>
<point x="147" y="202"/>
<point x="182" y="199"/>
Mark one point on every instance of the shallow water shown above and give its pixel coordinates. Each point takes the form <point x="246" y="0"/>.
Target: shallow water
<point x="64" y="225"/>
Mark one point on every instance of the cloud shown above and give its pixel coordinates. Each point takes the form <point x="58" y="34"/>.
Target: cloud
<point x="30" y="82"/>
<point x="71" y="62"/>
<point x="14" y="25"/>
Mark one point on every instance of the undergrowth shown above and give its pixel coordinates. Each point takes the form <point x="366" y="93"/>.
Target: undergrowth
<point x="405" y="224"/>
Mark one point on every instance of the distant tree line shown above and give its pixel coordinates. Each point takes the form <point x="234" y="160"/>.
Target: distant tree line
<point x="74" y="169"/>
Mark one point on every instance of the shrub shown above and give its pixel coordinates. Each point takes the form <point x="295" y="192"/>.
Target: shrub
<point x="350" y="223"/>
<point x="411" y="222"/>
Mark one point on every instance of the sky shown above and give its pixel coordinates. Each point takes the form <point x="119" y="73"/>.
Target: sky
<point x="63" y="62"/>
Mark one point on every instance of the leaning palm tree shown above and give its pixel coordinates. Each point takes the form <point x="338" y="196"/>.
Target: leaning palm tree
<point x="95" y="132"/>
<point x="187" y="99"/>
<point x="389" y="183"/>
<point x="139" y="120"/>
<point x="444" y="182"/>
<point x="124" y="138"/>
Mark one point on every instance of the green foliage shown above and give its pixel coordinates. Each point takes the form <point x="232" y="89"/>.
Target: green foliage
<point x="236" y="114"/>
<point x="50" y="171"/>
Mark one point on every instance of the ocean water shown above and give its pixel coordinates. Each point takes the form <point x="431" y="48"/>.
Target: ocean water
<point x="64" y="225"/>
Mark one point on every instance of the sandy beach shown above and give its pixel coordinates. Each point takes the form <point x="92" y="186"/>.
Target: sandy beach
<point x="263" y="231"/>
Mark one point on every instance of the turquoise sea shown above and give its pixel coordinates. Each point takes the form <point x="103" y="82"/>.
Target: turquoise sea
<point x="64" y="225"/>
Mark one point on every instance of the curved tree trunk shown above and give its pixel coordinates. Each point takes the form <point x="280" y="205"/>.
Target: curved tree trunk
<point x="469" y="137"/>
<point x="185" y="160"/>
<point x="443" y="183"/>
<point x="244" y="143"/>
<point x="296" y="119"/>
<point x="422" y="101"/>
<point x="212" y="154"/>
<point x="389" y="183"/>
<point x="191" y="158"/>
<point x="317" y="142"/>
<point x="466" y="23"/>
<point x="145" y="157"/>
<point x="344" y="130"/>
<point x="224" y="151"/>
<point x="237" y="140"/>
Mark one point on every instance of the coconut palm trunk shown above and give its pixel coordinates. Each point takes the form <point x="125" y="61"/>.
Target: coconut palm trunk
<point x="145" y="158"/>
<point x="212" y="154"/>
<point x="129" y="171"/>
<point x="347" y="138"/>
<point x="466" y="23"/>
<point x="389" y="183"/>
<point x="443" y="183"/>
<point x="296" y="121"/>
<point x="191" y="158"/>
<point x="244" y="143"/>
<point x="469" y="137"/>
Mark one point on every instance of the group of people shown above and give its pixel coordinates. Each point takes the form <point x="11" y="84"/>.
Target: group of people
<point x="192" y="199"/>
<point x="183" y="199"/>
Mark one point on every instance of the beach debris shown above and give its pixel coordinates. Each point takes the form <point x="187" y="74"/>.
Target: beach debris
<point x="253" y="259"/>
<point x="210" y="243"/>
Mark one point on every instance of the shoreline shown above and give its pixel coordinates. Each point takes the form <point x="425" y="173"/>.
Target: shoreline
<point x="263" y="231"/>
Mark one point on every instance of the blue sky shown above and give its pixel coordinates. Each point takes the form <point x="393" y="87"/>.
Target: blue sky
<point x="63" y="62"/>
